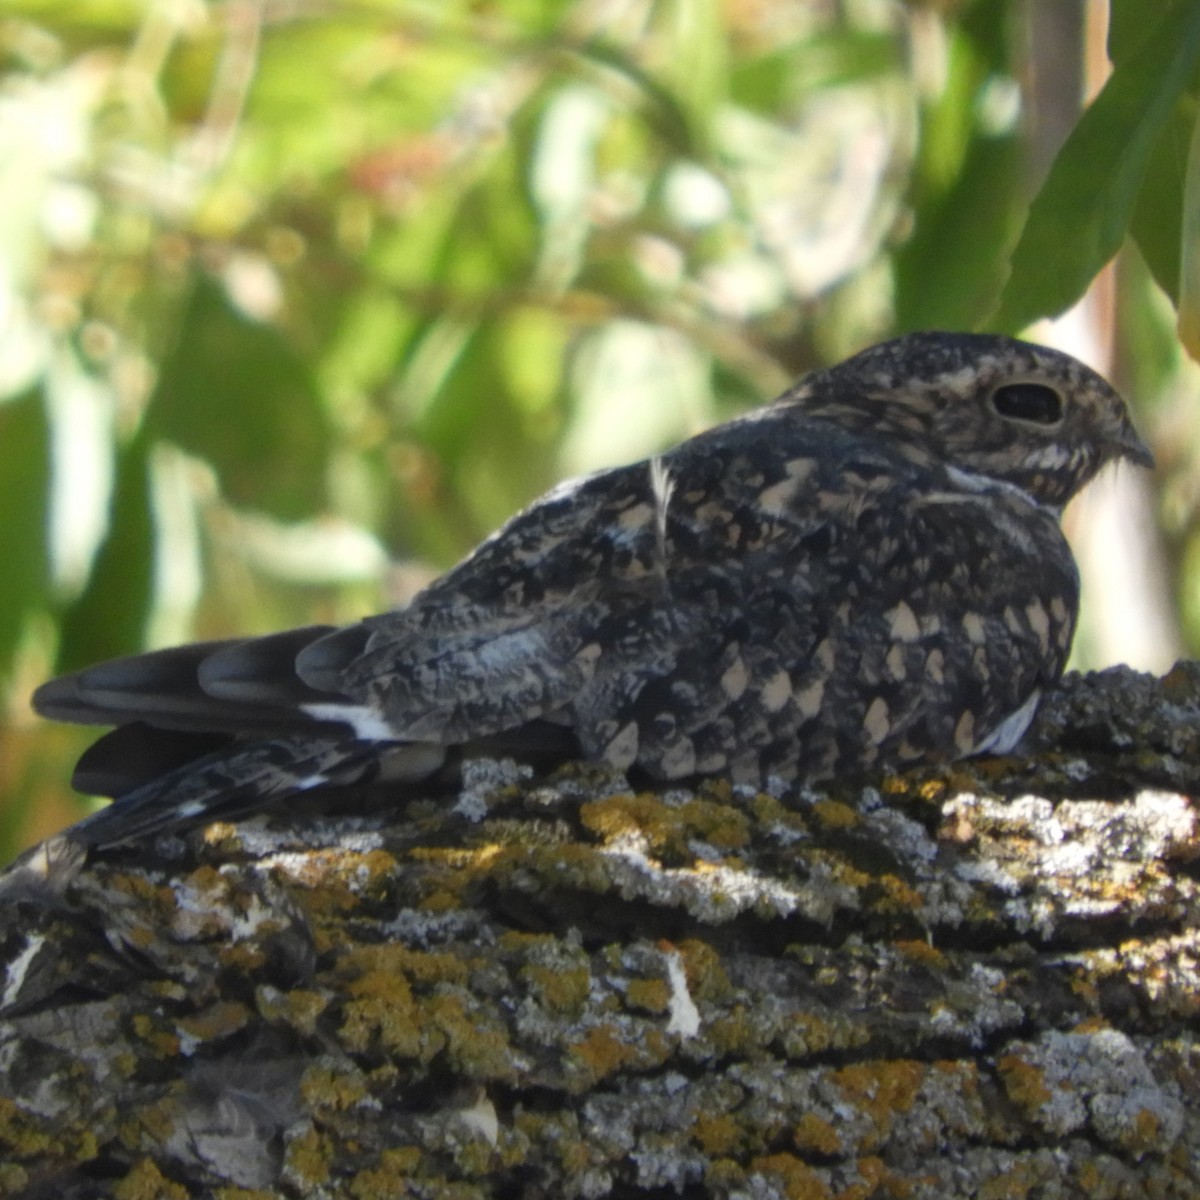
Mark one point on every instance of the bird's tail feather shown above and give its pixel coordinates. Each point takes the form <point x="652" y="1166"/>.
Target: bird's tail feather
<point x="231" y="783"/>
<point x="243" y="778"/>
<point x="239" y="686"/>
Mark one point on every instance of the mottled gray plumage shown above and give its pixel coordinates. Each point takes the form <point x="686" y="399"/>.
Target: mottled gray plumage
<point x="868" y="570"/>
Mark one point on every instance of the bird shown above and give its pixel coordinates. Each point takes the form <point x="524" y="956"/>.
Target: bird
<point x="867" y="572"/>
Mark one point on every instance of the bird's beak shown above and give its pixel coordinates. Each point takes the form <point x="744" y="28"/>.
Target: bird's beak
<point x="1130" y="446"/>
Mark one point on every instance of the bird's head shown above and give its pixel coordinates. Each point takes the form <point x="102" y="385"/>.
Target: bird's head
<point x="985" y="405"/>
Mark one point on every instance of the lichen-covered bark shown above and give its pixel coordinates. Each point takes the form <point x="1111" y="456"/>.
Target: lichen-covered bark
<point x="978" y="981"/>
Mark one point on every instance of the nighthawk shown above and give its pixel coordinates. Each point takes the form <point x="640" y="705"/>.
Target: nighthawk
<point x="867" y="571"/>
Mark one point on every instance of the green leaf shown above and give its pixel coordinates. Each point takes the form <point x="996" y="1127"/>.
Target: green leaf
<point x="1189" y="254"/>
<point x="948" y="272"/>
<point x="109" y="618"/>
<point x="235" y="392"/>
<point x="966" y="196"/>
<point x="24" y="486"/>
<point x="88" y="16"/>
<point x="1080" y="217"/>
<point x="1128" y="27"/>
<point x="662" y="110"/>
<point x="698" y="71"/>
<point x="1158" y="217"/>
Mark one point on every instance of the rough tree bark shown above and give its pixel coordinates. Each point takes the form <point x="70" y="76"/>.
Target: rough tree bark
<point x="976" y="981"/>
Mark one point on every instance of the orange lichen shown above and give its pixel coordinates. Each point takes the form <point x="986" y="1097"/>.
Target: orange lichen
<point x="476" y="1047"/>
<point x="958" y="1077"/>
<point x="666" y="828"/>
<point x="878" y="1181"/>
<point x="163" y="1042"/>
<point x="1015" y="1181"/>
<point x="218" y="1020"/>
<point x="813" y="1033"/>
<point x="922" y="952"/>
<point x="653" y="995"/>
<point x="343" y="875"/>
<point x="767" y="810"/>
<point x="393" y="958"/>
<point x="815" y="1135"/>
<point x="720" y="824"/>
<point x="842" y="871"/>
<point x="717" y="1134"/>
<point x="442" y="900"/>
<point x="881" y="1090"/>
<point x="615" y="816"/>
<point x="388" y="1180"/>
<point x="381" y="1008"/>
<point x="14" y="1180"/>
<point x="563" y="989"/>
<point x="1092" y="1178"/>
<point x="833" y="814"/>
<point x="20" y="1132"/>
<point x="571" y="1149"/>
<point x="145" y="1181"/>
<point x="723" y="1175"/>
<point x="246" y="957"/>
<point x="520" y="941"/>
<point x="1024" y="1082"/>
<point x="1145" y="1131"/>
<point x="602" y="1052"/>
<point x="798" y="1179"/>
<point x="140" y="937"/>
<point x="427" y="967"/>
<point x="736" y="1033"/>
<point x="899" y="896"/>
<point x="205" y="878"/>
<point x="703" y="969"/>
<point x="335" y="1091"/>
<point x="571" y="865"/>
<point x="306" y="1160"/>
<point x="298" y="1008"/>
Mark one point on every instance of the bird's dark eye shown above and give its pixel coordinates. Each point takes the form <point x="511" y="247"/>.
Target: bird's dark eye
<point x="1034" y="402"/>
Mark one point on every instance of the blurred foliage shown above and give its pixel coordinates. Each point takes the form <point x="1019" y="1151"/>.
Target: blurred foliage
<point x="1121" y="160"/>
<point x="286" y="285"/>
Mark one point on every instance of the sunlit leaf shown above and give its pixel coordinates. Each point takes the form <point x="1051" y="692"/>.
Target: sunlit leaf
<point x="967" y="191"/>
<point x="697" y="68"/>
<point x="1080" y="217"/>
<point x="235" y="393"/>
<point x="24" y="495"/>
<point x="109" y="618"/>
<point x="482" y="465"/>
<point x="663" y="110"/>
<point x="364" y="346"/>
<point x="1189" y="258"/>
<point x="948" y="273"/>
<point x="86" y="15"/>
